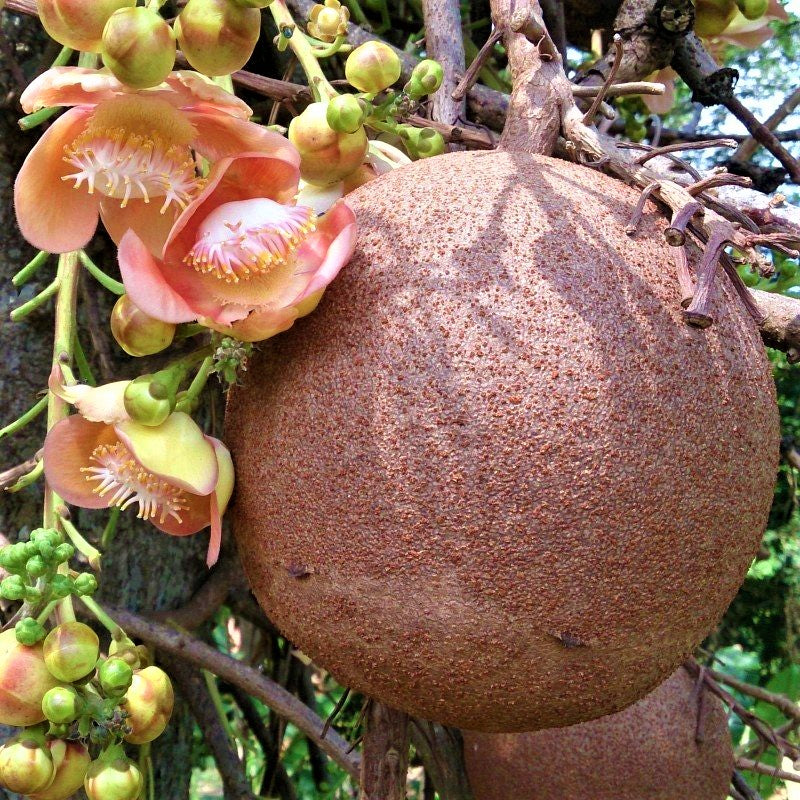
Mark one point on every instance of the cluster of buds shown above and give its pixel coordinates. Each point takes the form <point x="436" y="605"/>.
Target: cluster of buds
<point x="331" y="137"/>
<point x="70" y="700"/>
<point x="138" y="45"/>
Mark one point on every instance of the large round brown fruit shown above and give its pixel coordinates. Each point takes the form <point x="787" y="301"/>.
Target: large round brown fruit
<point x="495" y="480"/>
<point x="649" y="751"/>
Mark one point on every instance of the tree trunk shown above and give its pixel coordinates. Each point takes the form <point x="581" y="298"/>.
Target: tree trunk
<point x="144" y="569"/>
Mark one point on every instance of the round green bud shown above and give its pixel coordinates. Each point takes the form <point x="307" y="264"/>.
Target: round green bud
<point x="372" y="67"/>
<point x="753" y="9"/>
<point x="138" y="47"/>
<point x="422" y="142"/>
<point x="148" y="401"/>
<point x="52" y="537"/>
<point x="12" y="560"/>
<point x="85" y="584"/>
<point x="31" y="548"/>
<point x="71" y="650"/>
<point x="137" y="333"/>
<point x="113" y="780"/>
<point x="115" y="676"/>
<point x="46" y="550"/>
<point x="12" y="588"/>
<point x="62" y="705"/>
<point x="28" y="631"/>
<point x="346" y="113"/>
<point x="426" y="78"/>
<point x="36" y="566"/>
<point x="64" y="552"/>
<point x="61" y="585"/>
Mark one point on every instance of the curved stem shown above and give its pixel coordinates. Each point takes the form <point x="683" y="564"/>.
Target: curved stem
<point x="304" y="53"/>
<point x="58" y="409"/>
<point x="27" y="417"/>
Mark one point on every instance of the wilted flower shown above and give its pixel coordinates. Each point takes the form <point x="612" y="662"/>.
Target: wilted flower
<point x="180" y="479"/>
<point x="242" y="258"/>
<point x="126" y="155"/>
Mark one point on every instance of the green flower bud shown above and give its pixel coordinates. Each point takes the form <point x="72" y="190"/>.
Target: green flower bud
<point x="85" y="584"/>
<point x="137" y="333"/>
<point x="25" y="765"/>
<point x="64" y="552"/>
<point x="119" y="779"/>
<point x="10" y="561"/>
<point x="31" y="548"/>
<point x="753" y="9"/>
<point x="62" y="705"/>
<point x="28" y="631"/>
<point x="20" y="554"/>
<point x="12" y="588"/>
<point x="52" y="537"/>
<point x="426" y="78"/>
<point x="346" y="113"/>
<point x="149" y="704"/>
<point x="422" y="142"/>
<point x="115" y="676"/>
<point x="46" y="550"/>
<point x="372" y="67"/>
<point x="217" y="36"/>
<point x="138" y="47"/>
<point x="61" y="585"/>
<point x="36" y="566"/>
<point x="71" y="651"/>
<point x="149" y="401"/>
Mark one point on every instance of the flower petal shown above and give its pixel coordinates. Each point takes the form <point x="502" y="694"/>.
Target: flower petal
<point x="258" y="325"/>
<point x="220" y="136"/>
<point x="104" y="403"/>
<point x="69" y="86"/>
<point x="176" y="451"/>
<point x="195" y="91"/>
<point x="320" y="198"/>
<point x="328" y="249"/>
<point x="144" y="219"/>
<point x="146" y="283"/>
<point x="51" y="213"/>
<point x="68" y="447"/>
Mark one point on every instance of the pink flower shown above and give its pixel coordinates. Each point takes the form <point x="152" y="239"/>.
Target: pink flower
<point x="242" y="258"/>
<point x="180" y="479"/>
<point x="126" y="155"/>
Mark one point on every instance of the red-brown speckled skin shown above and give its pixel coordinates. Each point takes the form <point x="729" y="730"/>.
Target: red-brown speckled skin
<point x="646" y="752"/>
<point x="495" y="480"/>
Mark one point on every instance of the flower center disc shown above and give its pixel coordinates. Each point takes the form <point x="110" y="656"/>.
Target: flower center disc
<point x="136" y="147"/>
<point x="117" y="472"/>
<point x="248" y="238"/>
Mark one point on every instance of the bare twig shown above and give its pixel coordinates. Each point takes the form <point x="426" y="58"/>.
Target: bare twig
<point x="617" y="47"/>
<point x="749" y="146"/>
<point x="471" y="75"/>
<point x="253" y="682"/>
<point x="766" y="769"/>
<point x="11" y="475"/>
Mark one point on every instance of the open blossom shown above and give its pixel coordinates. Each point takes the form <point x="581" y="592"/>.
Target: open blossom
<point x="126" y="155"/>
<point x="178" y="478"/>
<point x="242" y="258"/>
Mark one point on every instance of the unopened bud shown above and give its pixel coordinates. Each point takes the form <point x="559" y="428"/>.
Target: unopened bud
<point x="29" y="631"/>
<point x="217" y="36"/>
<point x="62" y="705"/>
<point x="753" y="9"/>
<point x="115" y="676"/>
<point x="346" y="113"/>
<point x="426" y="78"/>
<point x="325" y="155"/>
<point x="137" y="333"/>
<point x="138" y="47"/>
<point x="71" y="651"/>
<point x="78" y="23"/>
<point x="25" y="765"/>
<point x="148" y="401"/>
<point x="372" y="67"/>
<point x="422" y="142"/>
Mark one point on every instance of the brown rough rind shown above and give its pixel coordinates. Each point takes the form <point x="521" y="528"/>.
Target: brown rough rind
<point x="495" y="480"/>
<point x="649" y="751"/>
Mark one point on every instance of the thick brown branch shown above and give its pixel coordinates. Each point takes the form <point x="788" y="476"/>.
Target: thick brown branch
<point x="270" y="693"/>
<point x="781" y="328"/>
<point x="385" y="753"/>
<point x="197" y="696"/>
<point x="445" y="42"/>
<point x="442" y="752"/>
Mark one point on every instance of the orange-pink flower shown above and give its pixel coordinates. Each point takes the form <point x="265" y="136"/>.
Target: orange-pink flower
<point x="126" y="155"/>
<point x="242" y="258"/>
<point x="179" y="479"/>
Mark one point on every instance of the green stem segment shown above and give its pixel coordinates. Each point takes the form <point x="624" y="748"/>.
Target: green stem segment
<point x="102" y="617"/>
<point x="29" y="416"/>
<point x="26" y="308"/>
<point x="38" y="117"/>
<point x="58" y="409"/>
<point x="198" y="383"/>
<point x="80" y="544"/>
<point x="28" y="478"/>
<point x="30" y="269"/>
<point x="304" y="53"/>
<point x="104" y="280"/>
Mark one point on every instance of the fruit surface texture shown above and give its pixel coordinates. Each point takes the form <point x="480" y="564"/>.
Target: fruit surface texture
<point x="649" y="750"/>
<point x="495" y="479"/>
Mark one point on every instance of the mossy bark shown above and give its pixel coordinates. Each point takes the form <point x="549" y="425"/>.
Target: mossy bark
<point x="143" y="569"/>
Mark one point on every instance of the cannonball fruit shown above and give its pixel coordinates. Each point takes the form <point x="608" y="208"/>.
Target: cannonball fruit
<point x="665" y="747"/>
<point x="495" y="480"/>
